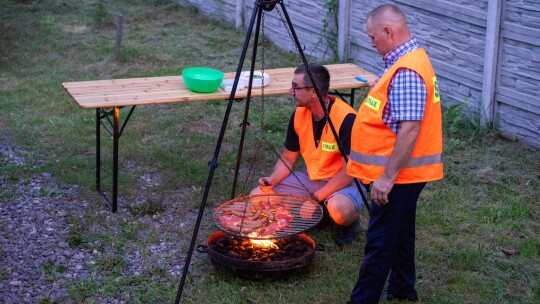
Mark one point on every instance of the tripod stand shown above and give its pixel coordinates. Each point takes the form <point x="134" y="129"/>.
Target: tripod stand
<point x="260" y="6"/>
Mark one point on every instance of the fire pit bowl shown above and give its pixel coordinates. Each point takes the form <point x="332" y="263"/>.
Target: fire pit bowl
<point x="237" y="253"/>
<point x="202" y="80"/>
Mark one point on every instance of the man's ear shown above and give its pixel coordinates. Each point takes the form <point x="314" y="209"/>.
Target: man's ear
<point x="388" y="31"/>
<point x="314" y="95"/>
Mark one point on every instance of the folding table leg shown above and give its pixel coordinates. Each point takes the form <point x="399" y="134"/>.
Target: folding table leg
<point x="343" y="95"/>
<point x="116" y="138"/>
<point x="99" y="117"/>
<point x="116" y="133"/>
<point x="98" y="151"/>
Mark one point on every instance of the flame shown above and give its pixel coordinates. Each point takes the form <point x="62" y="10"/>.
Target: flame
<point x="264" y="243"/>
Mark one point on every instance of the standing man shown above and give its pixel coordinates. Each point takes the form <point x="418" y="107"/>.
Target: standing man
<point x="396" y="146"/>
<point x="325" y="172"/>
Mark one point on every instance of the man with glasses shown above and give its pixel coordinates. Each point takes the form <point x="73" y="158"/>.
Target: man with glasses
<point x="324" y="173"/>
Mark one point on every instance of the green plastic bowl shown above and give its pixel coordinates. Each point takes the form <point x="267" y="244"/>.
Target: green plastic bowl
<point x="202" y="80"/>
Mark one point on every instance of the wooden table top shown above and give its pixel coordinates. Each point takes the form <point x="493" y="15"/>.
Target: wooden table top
<point x="166" y="89"/>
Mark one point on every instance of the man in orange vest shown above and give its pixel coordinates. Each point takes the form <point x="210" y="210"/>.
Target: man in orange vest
<point x="396" y="146"/>
<point x="324" y="175"/>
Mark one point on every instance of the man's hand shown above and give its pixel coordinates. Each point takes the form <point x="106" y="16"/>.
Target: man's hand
<point x="405" y="141"/>
<point x="380" y="190"/>
<point x="307" y="210"/>
<point x="266" y="183"/>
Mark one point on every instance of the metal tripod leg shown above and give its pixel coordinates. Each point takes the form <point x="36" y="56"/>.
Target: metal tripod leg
<point x="213" y="163"/>
<point x="246" y="111"/>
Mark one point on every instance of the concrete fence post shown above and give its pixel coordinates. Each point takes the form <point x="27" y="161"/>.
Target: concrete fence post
<point x="344" y="15"/>
<point x="118" y="40"/>
<point x="491" y="61"/>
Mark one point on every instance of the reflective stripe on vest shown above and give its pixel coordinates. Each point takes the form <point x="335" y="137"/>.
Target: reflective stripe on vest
<point x="377" y="160"/>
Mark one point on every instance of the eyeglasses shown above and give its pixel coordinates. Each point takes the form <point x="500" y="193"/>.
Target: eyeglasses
<point x="299" y="88"/>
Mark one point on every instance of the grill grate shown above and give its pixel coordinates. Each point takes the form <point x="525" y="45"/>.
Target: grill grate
<point x="282" y="212"/>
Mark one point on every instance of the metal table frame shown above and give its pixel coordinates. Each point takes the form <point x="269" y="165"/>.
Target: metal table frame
<point x="116" y="132"/>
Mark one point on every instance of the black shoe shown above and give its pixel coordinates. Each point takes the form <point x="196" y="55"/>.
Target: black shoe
<point x="386" y="296"/>
<point x="346" y="235"/>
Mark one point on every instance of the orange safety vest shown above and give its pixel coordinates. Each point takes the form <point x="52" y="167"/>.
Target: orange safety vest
<point x="372" y="142"/>
<point x="323" y="161"/>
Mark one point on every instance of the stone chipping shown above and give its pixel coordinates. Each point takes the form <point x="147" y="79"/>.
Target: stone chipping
<point x="37" y="218"/>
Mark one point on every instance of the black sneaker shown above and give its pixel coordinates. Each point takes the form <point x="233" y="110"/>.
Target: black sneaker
<point x="386" y="296"/>
<point x="346" y="235"/>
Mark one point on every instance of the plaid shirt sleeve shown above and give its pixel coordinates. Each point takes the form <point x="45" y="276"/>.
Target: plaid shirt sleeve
<point x="406" y="99"/>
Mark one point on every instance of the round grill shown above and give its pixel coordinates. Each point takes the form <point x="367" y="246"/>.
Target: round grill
<point x="267" y="216"/>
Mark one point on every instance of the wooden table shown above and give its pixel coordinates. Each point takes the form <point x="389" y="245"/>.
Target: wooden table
<point x="109" y="96"/>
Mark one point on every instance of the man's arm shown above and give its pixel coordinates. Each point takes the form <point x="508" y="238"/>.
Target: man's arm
<point x="281" y="169"/>
<point x="338" y="181"/>
<point x="405" y="141"/>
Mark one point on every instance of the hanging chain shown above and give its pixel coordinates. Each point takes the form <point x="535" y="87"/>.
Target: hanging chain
<point x="263" y="65"/>
<point x="262" y="137"/>
<point x="311" y="195"/>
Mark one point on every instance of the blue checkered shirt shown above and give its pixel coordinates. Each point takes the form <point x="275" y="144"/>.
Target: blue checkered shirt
<point x="407" y="92"/>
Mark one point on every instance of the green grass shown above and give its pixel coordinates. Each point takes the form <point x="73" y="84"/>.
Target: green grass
<point x="485" y="207"/>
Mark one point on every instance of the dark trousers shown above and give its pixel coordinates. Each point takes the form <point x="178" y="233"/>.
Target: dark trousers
<point x="389" y="249"/>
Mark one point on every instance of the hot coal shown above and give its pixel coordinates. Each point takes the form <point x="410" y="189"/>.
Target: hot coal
<point x="243" y="249"/>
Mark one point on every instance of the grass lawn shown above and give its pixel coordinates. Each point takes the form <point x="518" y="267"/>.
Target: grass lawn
<point x="478" y="229"/>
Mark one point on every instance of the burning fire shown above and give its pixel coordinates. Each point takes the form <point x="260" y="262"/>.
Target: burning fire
<point x="264" y="243"/>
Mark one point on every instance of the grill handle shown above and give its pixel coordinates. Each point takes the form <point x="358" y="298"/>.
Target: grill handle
<point x="202" y="248"/>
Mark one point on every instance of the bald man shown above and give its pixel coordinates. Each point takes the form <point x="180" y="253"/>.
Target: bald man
<point x="396" y="147"/>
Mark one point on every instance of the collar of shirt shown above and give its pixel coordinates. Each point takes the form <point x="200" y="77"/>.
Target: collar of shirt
<point x="399" y="51"/>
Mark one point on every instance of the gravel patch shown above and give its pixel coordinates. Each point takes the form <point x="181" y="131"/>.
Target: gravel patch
<point x="38" y="216"/>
